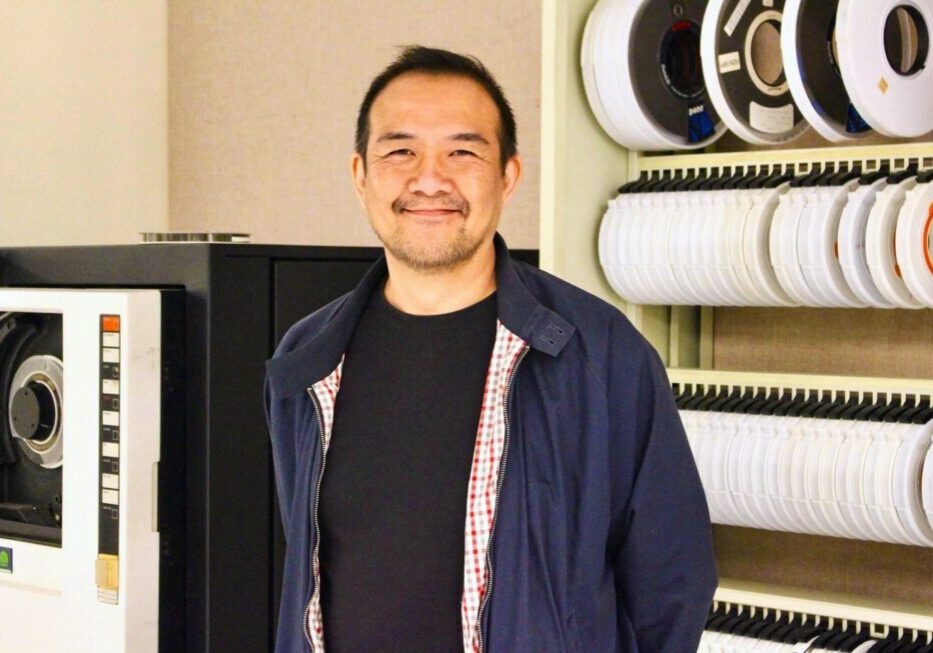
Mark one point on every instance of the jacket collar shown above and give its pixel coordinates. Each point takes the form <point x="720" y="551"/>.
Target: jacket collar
<point x="518" y="310"/>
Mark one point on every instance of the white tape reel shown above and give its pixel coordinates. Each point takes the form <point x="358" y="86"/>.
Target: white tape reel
<point x="879" y="244"/>
<point x="927" y="490"/>
<point x="817" y="246"/>
<point x="648" y="107"/>
<point x="849" y="467"/>
<point x="852" y="256"/>
<point x="886" y="63"/>
<point x="913" y="240"/>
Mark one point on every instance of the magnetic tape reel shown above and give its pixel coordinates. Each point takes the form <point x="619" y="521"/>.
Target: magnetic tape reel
<point x="880" y="242"/>
<point x="32" y="429"/>
<point x="810" y="54"/>
<point x="744" y="72"/>
<point x="884" y="57"/>
<point x="851" y="240"/>
<point x="842" y="464"/>
<point x="660" y="106"/>
<point x="913" y="240"/>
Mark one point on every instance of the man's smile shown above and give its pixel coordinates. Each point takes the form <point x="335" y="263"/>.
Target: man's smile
<point x="431" y="213"/>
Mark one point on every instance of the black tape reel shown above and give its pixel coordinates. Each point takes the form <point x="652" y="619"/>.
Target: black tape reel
<point x="744" y="70"/>
<point x="811" y="62"/>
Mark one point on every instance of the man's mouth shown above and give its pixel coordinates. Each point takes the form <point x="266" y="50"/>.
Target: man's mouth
<point x="423" y="210"/>
<point x="431" y="213"/>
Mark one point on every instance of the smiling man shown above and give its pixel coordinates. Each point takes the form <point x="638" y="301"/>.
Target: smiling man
<point x="472" y="455"/>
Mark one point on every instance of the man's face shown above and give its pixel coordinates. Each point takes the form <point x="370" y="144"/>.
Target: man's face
<point x="433" y="184"/>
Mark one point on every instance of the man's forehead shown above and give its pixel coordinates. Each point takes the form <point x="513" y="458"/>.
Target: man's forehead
<point x="419" y="101"/>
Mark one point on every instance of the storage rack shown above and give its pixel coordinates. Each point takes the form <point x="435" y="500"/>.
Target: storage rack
<point x="581" y="168"/>
<point x="825" y="606"/>
<point x="690" y="340"/>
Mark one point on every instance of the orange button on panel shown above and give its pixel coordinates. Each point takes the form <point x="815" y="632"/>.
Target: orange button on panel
<point x="110" y="323"/>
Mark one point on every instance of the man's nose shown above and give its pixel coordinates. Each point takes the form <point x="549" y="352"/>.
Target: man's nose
<point x="430" y="177"/>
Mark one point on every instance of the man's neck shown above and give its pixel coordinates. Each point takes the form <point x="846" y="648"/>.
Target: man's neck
<point x="423" y="293"/>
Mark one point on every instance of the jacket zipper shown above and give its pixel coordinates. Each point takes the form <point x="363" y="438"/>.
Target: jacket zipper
<point x="499" y="481"/>
<point x="317" y="527"/>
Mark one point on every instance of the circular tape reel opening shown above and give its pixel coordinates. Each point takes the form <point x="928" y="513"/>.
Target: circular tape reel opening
<point x="906" y="40"/>
<point x="679" y="55"/>
<point x="35" y="409"/>
<point x="763" y="53"/>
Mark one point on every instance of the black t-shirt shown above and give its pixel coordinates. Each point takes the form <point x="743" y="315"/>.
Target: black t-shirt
<point x="393" y="499"/>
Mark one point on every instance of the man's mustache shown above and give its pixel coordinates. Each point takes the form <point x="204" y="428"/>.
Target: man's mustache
<point x="445" y="202"/>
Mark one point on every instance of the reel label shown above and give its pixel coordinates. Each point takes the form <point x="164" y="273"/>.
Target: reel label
<point x="771" y="120"/>
<point x="729" y="62"/>
<point x="736" y="17"/>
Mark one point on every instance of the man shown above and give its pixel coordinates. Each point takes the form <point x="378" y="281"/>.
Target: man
<point x="470" y="454"/>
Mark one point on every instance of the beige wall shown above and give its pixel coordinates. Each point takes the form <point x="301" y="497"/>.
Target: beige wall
<point x="263" y="98"/>
<point x="83" y="121"/>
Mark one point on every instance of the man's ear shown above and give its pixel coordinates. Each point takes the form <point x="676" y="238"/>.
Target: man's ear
<point x="358" y="174"/>
<point x="511" y="176"/>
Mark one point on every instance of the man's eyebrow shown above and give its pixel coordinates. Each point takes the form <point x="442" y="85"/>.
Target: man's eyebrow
<point x="469" y="137"/>
<point x="395" y="136"/>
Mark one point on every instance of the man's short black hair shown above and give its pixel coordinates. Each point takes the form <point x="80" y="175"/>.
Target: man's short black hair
<point x="432" y="61"/>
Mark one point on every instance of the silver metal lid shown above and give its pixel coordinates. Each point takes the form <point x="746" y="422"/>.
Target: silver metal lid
<point x="193" y="237"/>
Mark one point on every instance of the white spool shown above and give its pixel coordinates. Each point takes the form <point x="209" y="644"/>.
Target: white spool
<point x="625" y="237"/>
<point x="656" y="107"/>
<point x="912" y="242"/>
<point x="894" y="102"/>
<point x="907" y="489"/>
<point x="817" y="241"/>
<point x="783" y="245"/>
<point x="878" y="480"/>
<point x="879" y="244"/>
<point x="600" y="93"/>
<point x="756" y="246"/>
<point x="852" y="255"/>
<point x="849" y="482"/>
<point x="927" y="492"/>
<point x="735" y="238"/>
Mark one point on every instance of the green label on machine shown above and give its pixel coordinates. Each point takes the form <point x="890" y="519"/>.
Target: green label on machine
<point x="6" y="559"/>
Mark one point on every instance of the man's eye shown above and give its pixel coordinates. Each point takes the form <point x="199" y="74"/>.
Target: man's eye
<point x="463" y="153"/>
<point x="400" y="152"/>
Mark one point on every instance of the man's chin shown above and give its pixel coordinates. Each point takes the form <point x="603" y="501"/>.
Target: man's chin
<point x="431" y="260"/>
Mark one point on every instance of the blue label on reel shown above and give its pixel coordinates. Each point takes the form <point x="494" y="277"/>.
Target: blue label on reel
<point x="855" y="124"/>
<point x="700" y="123"/>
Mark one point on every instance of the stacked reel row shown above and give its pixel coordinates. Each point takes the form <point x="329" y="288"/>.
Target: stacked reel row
<point x="743" y="629"/>
<point x="662" y="74"/>
<point x="833" y="238"/>
<point x="849" y="465"/>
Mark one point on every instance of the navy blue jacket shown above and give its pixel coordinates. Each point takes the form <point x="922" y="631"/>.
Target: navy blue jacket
<point x="602" y="537"/>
